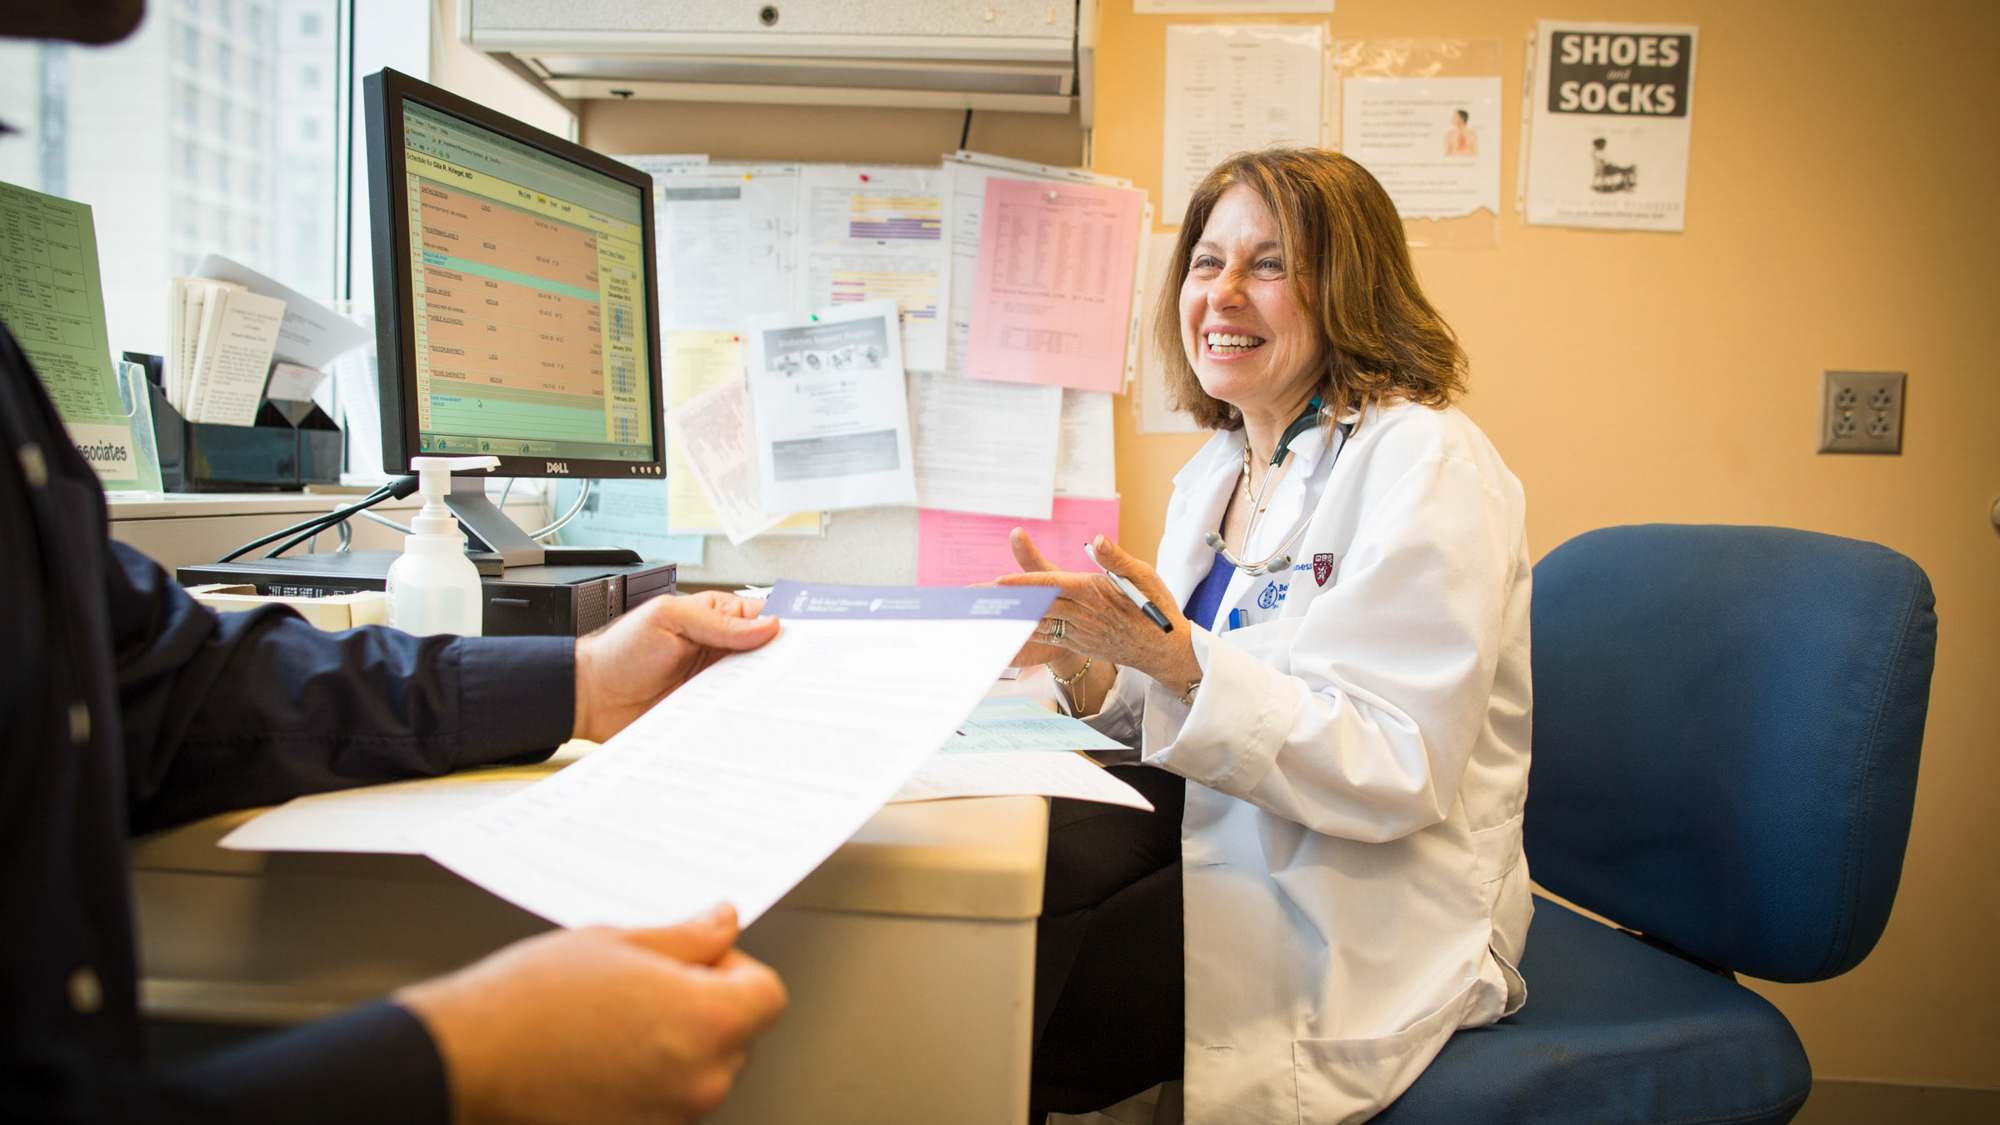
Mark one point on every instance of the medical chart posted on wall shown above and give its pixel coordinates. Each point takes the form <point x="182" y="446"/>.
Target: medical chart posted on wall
<point x="1433" y="143"/>
<point x="875" y="233"/>
<point x="831" y="412"/>
<point x="741" y="782"/>
<point x="1610" y="125"/>
<point x="1236" y="88"/>
<point x="1052" y="298"/>
<point x="726" y="244"/>
<point x="52" y="300"/>
<point x="996" y="448"/>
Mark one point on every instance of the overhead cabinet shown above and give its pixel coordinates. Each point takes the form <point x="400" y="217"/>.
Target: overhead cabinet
<point x="996" y="55"/>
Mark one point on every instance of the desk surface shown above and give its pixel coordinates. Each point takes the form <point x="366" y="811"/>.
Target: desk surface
<point x="978" y="857"/>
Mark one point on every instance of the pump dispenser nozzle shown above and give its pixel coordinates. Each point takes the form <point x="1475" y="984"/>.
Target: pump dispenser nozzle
<point x="434" y="480"/>
<point x="434" y="588"/>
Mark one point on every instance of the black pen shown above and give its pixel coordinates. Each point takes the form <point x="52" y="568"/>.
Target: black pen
<point x="1146" y="607"/>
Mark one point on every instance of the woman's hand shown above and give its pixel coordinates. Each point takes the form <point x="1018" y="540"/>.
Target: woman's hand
<point x="1099" y="621"/>
<point x="1031" y="562"/>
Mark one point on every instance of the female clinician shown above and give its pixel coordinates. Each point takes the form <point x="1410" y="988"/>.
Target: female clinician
<point x="1335" y="729"/>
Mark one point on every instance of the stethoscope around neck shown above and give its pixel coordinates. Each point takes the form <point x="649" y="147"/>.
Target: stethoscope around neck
<point x="1280" y="559"/>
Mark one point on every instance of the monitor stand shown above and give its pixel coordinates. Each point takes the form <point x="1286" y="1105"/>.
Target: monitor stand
<point x="492" y="533"/>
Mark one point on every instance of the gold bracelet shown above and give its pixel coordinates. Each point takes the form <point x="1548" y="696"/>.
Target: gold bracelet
<point x="1070" y="684"/>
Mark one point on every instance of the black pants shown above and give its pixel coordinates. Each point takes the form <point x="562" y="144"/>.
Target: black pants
<point x="1108" y="958"/>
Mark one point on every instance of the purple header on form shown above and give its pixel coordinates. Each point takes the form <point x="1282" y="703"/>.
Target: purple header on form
<point x="812" y="600"/>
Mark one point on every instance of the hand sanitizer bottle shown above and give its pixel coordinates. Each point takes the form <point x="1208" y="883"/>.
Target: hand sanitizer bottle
<point x="434" y="588"/>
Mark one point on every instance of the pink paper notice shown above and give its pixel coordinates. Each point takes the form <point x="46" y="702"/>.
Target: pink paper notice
<point x="1053" y="297"/>
<point x="959" y="548"/>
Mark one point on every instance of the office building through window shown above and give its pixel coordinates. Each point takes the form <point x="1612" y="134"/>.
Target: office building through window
<point x="210" y="129"/>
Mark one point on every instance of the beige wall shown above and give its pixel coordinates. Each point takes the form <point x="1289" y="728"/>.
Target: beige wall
<point x="1839" y="216"/>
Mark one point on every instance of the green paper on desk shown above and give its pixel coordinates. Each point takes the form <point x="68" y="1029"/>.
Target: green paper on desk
<point x="52" y="300"/>
<point x="1013" y="726"/>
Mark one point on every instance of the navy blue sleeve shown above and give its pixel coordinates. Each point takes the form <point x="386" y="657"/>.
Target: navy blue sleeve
<point x="225" y="711"/>
<point x="375" y="1063"/>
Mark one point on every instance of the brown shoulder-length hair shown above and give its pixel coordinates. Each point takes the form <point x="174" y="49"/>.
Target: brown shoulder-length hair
<point x="1350" y="271"/>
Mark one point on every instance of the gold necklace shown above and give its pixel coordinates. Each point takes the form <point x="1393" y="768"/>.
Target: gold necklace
<point x="1246" y="477"/>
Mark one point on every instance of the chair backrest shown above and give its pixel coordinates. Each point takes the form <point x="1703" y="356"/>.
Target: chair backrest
<point x="1727" y="724"/>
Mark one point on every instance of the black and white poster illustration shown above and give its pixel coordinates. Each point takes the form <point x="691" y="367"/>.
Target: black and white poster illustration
<point x="1612" y="106"/>
<point x="831" y="410"/>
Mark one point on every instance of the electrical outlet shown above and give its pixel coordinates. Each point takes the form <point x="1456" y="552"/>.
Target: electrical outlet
<point x="1861" y="411"/>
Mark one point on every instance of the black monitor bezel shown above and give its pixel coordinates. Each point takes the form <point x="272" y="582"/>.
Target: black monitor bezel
<point x="383" y="96"/>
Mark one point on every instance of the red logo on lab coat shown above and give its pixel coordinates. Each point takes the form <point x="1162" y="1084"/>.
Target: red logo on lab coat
<point x="1322" y="568"/>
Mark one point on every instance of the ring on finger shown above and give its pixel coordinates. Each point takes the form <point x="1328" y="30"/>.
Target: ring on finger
<point x="1057" y="628"/>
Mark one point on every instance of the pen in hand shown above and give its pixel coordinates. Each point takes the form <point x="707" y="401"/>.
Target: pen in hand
<point x="1124" y="584"/>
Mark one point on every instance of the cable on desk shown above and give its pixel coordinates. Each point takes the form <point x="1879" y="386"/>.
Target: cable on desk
<point x="400" y="487"/>
<point x="395" y="489"/>
<point x="566" y="516"/>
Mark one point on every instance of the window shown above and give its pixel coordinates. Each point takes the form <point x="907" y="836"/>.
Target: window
<point x="185" y="145"/>
<point x="244" y="164"/>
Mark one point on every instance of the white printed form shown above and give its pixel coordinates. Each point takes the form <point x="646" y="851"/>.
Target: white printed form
<point x="989" y="448"/>
<point x="239" y="332"/>
<point x="877" y="233"/>
<point x="740" y="783"/>
<point x="1235" y="89"/>
<point x="727" y="250"/>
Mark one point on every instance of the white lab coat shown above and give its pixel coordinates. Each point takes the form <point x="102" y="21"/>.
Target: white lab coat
<point x="1351" y="854"/>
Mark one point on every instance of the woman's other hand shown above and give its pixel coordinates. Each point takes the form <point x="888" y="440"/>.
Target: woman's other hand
<point x="1030" y="559"/>
<point x="1099" y="621"/>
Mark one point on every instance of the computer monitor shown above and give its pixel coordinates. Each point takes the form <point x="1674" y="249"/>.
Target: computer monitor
<point x="516" y="312"/>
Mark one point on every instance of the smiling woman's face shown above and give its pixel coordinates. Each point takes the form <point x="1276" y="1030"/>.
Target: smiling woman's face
<point x="1250" y="343"/>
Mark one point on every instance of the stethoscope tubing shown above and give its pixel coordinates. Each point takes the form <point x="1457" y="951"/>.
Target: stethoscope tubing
<point x="1278" y="559"/>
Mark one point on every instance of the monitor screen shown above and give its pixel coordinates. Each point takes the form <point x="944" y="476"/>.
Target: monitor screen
<point x="521" y="294"/>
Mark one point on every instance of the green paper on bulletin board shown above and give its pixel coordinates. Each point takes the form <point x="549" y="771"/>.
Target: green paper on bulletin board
<point x="52" y="300"/>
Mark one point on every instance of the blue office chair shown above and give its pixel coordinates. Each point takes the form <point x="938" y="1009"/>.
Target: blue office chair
<point x="1727" y="722"/>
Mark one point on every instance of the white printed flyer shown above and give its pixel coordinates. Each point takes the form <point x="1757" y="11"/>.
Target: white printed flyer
<point x="1611" y="112"/>
<point x="1433" y="143"/>
<point x="831" y="410"/>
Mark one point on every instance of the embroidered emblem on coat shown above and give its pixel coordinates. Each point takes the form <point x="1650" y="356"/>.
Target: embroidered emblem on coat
<point x="1271" y="595"/>
<point x="1322" y="567"/>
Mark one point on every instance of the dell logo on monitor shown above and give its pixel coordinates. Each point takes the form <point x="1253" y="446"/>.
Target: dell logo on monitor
<point x="558" y="467"/>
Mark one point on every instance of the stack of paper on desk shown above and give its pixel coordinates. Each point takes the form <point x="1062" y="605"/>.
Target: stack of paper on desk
<point x="1005" y="747"/>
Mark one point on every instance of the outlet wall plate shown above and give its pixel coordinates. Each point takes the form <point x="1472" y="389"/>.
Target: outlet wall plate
<point x="1861" y="411"/>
